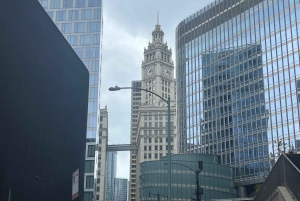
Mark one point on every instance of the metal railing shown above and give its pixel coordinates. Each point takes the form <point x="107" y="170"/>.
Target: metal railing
<point x="284" y="173"/>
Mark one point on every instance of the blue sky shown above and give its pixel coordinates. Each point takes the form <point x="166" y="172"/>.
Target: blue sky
<point x="127" y="29"/>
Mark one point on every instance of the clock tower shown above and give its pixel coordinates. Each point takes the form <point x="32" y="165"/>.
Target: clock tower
<point x="157" y="69"/>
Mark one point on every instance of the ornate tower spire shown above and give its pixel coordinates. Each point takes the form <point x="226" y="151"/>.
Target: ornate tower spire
<point x="157" y="17"/>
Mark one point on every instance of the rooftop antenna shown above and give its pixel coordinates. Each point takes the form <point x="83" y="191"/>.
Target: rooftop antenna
<point x="157" y="17"/>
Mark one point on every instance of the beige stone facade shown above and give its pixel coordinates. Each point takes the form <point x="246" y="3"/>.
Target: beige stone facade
<point x="149" y="115"/>
<point x="101" y="165"/>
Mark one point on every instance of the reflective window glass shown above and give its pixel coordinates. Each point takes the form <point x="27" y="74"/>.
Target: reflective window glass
<point x="73" y="15"/>
<point x="94" y="3"/>
<point x="93" y="26"/>
<point x="79" y="3"/>
<point x="55" y="4"/>
<point x="79" y="27"/>
<point x="60" y="15"/>
<point x="67" y="3"/>
<point x="72" y="39"/>
<point x="97" y="13"/>
<point x="66" y="27"/>
<point x="96" y="39"/>
<point x="86" y="14"/>
<point x="84" y="39"/>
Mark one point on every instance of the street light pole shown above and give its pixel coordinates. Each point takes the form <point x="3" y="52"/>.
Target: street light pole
<point x="157" y="196"/>
<point x="169" y="149"/>
<point x="9" y="192"/>
<point x="116" y="88"/>
<point x="197" y="172"/>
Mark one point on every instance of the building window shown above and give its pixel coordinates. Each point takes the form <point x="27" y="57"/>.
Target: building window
<point x="89" y="183"/>
<point x="160" y="147"/>
<point x="150" y="132"/>
<point x="89" y="166"/>
<point x="145" y="148"/>
<point x="156" y="155"/>
<point x="156" y="148"/>
<point x="156" y="139"/>
<point x="79" y="3"/>
<point x="150" y="124"/>
<point x="60" y="15"/>
<point x="145" y="156"/>
<point x="156" y="132"/>
<point x="91" y="151"/>
<point x="66" y="27"/>
<point x="86" y="14"/>
<point x="160" y="139"/>
<point x="149" y="148"/>
<point x="67" y="3"/>
<point x="149" y="140"/>
<point x="145" y="132"/>
<point x="149" y="155"/>
<point x="55" y="4"/>
<point x="73" y="15"/>
<point x="79" y="27"/>
<point x="145" y="124"/>
<point x="94" y="3"/>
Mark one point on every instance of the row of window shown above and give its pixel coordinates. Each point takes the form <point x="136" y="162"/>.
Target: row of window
<point x="157" y="124"/>
<point x="157" y="132"/>
<point x="56" y="4"/>
<point x="74" y="40"/>
<point x="156" y="147"/>
<point x="149" y="156"/>
<point x="87" y="53"/>
<point x="149" y="140"/>
<point x="157" y="117"/>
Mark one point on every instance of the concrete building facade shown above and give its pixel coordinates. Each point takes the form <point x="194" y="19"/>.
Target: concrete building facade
<point x="102" y="156"/>
<point x="80" y="21"/>
<point x="135" y="102"/>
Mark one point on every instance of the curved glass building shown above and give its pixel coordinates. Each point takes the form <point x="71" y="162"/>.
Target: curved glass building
<point x="215" y="179"/>
<point x="238" y="69"/>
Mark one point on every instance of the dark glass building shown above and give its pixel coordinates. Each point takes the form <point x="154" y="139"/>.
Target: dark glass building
<point x="44" y="102"/>
<point x="237" y="67"/>
<point x="215" y="179"/>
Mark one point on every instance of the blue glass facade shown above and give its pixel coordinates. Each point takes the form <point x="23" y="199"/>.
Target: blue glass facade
<point x="80" y="21"/>
<point x="238" y="66"/>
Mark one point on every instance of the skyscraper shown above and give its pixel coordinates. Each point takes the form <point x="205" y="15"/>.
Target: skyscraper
<point x="102" y="154"/>
<point x="111" y="173"/>
<point x="237" y="67"/>
<point x="149" y="114"/>
<point x="135" y="102"/>
<point x="80" y="21"/>
<point x="120" y="189"/>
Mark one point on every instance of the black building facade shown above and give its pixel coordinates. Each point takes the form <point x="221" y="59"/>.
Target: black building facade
<point x="43" y="106"/>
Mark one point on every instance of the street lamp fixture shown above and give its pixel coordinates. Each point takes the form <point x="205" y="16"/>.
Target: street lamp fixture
<point x="199" y="190"/>
<point x="168" y="101"/>
<point x="9" y="192"/>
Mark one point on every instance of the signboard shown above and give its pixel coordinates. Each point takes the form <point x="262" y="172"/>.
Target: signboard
<point x="75" y="184"/>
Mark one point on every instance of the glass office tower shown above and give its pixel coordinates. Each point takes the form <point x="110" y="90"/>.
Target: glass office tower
<point x="237" y="69"/>
<point x="80" y="21"/>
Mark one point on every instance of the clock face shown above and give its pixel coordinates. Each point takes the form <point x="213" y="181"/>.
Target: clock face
<point x="149" y="71"/>
<point x="166" y="72"/>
